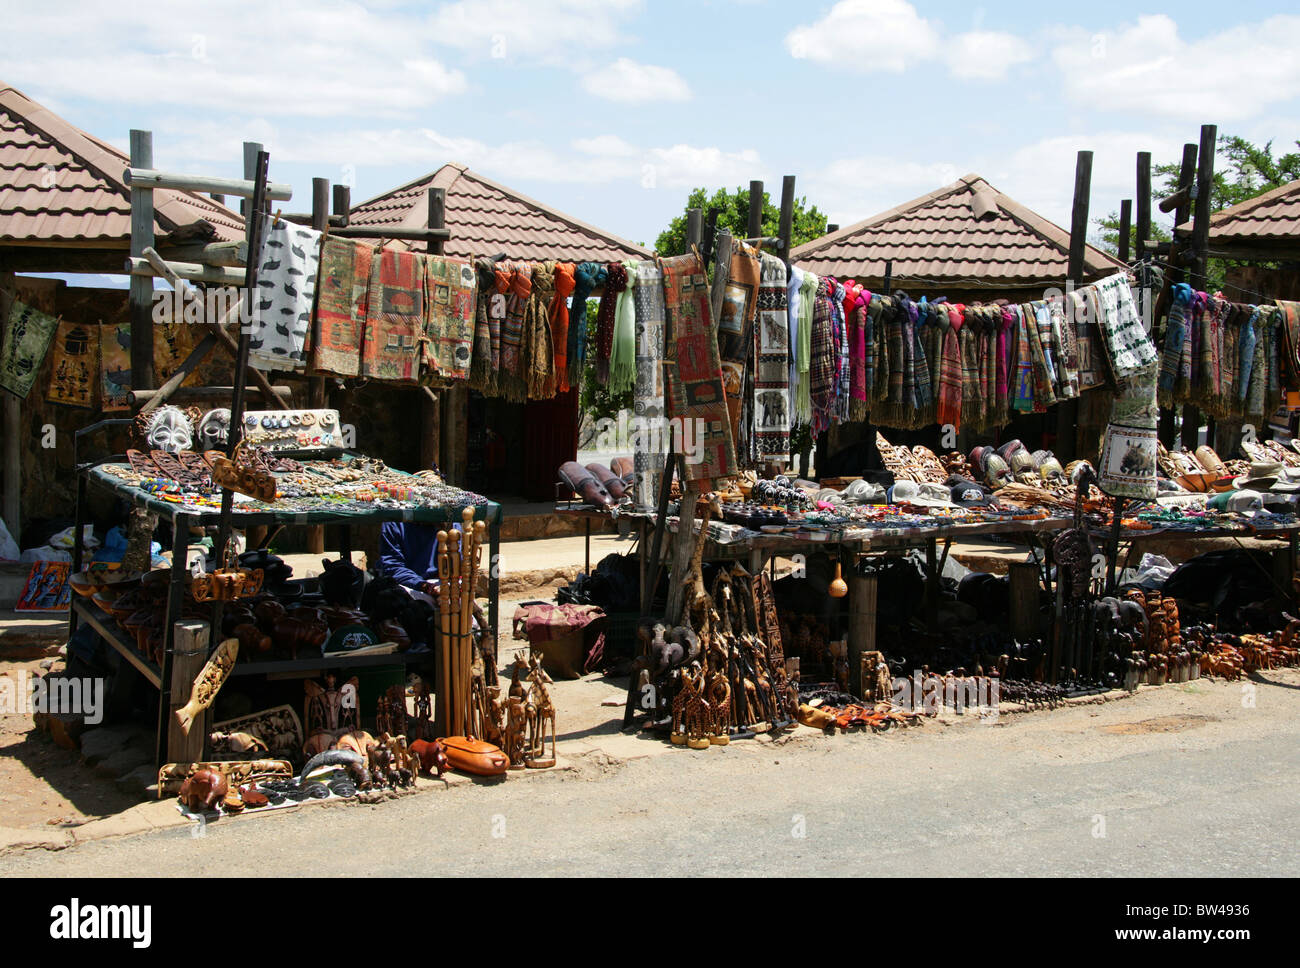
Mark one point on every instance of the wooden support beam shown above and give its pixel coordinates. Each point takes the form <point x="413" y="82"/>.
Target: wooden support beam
<point x="1125" y="228"/>
<point x="144" y="176"/>
<point x="13" y="463"/>
<point x="754" y="227"/>
<point x="786" y="225"/>
<point x="431" y="416"/>
<point x="140" y="296"/>
<point x="279" y="394"/>
<point x="190" y="644"/>
<point x="1022" y="578"/>
<point x="1190" y="431"/>
<point x="193" y="271"/>
<point x="694" y="228"/>
<point x="1067" y="411"/>
<point x="391" y="232"/>
<point x="863" y="596"/>
<point x="343" y="202"/>
<point x="1143" y="202"/>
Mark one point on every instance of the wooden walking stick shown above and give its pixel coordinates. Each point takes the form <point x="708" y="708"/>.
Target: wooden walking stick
<point x="456" y="723"/>
<point x="444" y="636"/>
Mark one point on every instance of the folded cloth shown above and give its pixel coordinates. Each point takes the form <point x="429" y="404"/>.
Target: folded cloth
<point x="289" y="261"/>
<point x="393" y="338"/>
<point x="693" y="372"/>
<point x="341" y="307"/>
<point x="449" y="322"/>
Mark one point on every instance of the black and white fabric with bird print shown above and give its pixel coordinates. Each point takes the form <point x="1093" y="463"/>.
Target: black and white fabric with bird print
<point x="286" y="288"/>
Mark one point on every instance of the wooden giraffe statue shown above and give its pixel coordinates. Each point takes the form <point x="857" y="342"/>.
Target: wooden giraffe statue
<point x="699" y="603"/>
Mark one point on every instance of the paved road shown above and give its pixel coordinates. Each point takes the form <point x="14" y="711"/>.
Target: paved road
<point x="1200" y="779"/>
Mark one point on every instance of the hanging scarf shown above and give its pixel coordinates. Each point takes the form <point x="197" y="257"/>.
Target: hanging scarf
<point x="974" y="407"/>
<point x="855" y="311"/>
<point x="803" y="410"/>
<point x="1067" y="351"/>
<point x="588" y="276"/>
<point x="736" y="326"/>
<point x="1171" y="358"/>
<point x="794" y="281"/>
<point x="487" y="330"/>
<point x="650" y="437"/>
<point x="1289" y="342"/>
<point x="539" y="352"/>
<point x="1246" y="351"/>
<point x="286" y="290"/>
<point x="770" y="436"/>
<point x="1043" y="395"/>
<point x="622" y="358"/>
<point x="1022" y="399"/>
<point x="841" y="408"/>
<point x="821" y="374"/>
<point x="950" y="369"/>
<point x="693" y="372"/>
<point x="879" y="311"/>
<point x="615" y="283"/>
<point x="557" y="315"/>
<point x="932" y="341"/>
<point x="512" y="380"/>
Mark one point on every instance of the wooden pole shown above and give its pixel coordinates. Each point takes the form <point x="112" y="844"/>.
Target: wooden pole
<point x="1143" y="202"/>
<point x="1125" y="228"/>
<point x="1023" y="587"/>
<point x="140" y="297"/>
<point x="342" y="201"/>
<point x="431" y="415"/>
<point x="13" y="463"/>
<point x="862" y="624"/>
<point x="1190" y="435"/>
<point x="1067" y="411"/>
<point x="786" y="225"/>
<point x="710" y="233"/>
<point x="755" y="225"/>
<point x="694" y="228"/>
<point x="316" y="390"/>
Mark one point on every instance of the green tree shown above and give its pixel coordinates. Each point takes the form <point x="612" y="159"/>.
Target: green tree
<point x="733" y="214"/>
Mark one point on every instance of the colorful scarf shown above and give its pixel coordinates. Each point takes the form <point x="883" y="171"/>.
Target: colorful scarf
<point x="841" y="409"/>
<point x="974" y="407"/>
<point x="794" y="281"/>
<point x="736" y="326"/>
<point x="490" y="309"/>
<point x="855" y="312"/>
<point x="615" y="283"/>
<point x="1022" y="399"/>
<point x="879" y="310"/>
<point x="622" y="360"/>
<point x="821" y="373"/>
<point x="770" y="436"/>
<point x="951" y="377"/>
<point x="1171" y="358"/>
<point x="539" y="351"/>
<point x="341" y="307"/>
<point x="651" y="438"/>
<point x="558" y="317"/>
<point x="803" y="411"/>
<point x="512" y="381"/>
<point x="693" y="373"/>
<point x="1246" y="352"/>
<point x="1289" y="342"/>
<point x="588" y="276"/>
<point x="1067" y="351"/>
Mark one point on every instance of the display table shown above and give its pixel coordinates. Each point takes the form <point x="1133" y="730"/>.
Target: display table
<point x="183" y="516"/>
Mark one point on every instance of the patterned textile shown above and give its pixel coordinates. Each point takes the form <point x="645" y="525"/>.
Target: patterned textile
<point x="539" y="352"/>
<point x="558" y="316"/>
<point x="821" y="372"/>
<point x="1127" y="467"/>
<point x="342" y="291"/>
<point x="1067" y="351"/>
<point x="286" y="289"/>
<point x="651" y="437"/>
<point x="488" y="313"/>
<point x="172" y="343"/>
<point x="1022" y="395"/>
<point x="512" y="381"/>
<point x="27" y="338"/>
<point x="991" y="413"/>
<point x="449" y="324"/>
<point x="1171" y="357"/>
<point x="622" y="359"/>
<point x="974" y="409"/>
<point x="771" y="426"/>
<point x="921" y="365"/>
<point x="794" y="280"/>
<point x="587" y="277"/>
<point x="114" y="367"/>
<point x="950" y="368"/>
<point x="615" y="283"/>
<point x="693" y="372"/>
<point x="855" y="315"/>
<point x="842" y="365"/>
<point x="392" y="340"/>
<point x="736" y="325"/>
<point x="74" y="365"/>
<point x="1043" y="395"/>
<point x="878" y="312"/>
<point x="1246" y="352"/>
<point x="1083" y="309"/>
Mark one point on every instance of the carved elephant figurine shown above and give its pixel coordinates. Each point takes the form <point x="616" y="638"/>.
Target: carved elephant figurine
<point x="204" y="789"/>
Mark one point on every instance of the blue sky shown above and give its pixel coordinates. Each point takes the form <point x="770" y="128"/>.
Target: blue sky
<point x="612" y="110"/>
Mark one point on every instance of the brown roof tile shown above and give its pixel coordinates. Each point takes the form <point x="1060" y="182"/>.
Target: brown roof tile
<point x="60" y="184"/>
<point x="486" y="218"/>
<point x="937" y="239"/>
<point x="1273" y="215"/>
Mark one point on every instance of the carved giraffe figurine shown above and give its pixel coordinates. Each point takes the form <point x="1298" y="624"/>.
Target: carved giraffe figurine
<point x="699" y="603"/>
<point x="697" y="716"/>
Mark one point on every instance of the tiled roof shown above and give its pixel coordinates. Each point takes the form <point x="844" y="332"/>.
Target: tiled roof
<point x="967" y="234"/>
<point x="60" y="184"/>
<point x="1273" y="215"/>
<point x="487" y="219"/>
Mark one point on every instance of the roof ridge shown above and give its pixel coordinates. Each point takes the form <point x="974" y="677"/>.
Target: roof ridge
<point x="1247" y="206"/>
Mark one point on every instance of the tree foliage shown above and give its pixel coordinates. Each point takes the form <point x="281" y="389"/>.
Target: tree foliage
<point x="733" y="214"/>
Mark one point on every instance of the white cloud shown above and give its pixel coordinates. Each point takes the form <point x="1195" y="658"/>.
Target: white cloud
<point x="866" y="35"/>
<point x="295" y="57"/>
<point x="1228" y="76"/>
<point x="627" y="81"/>
<point x="556" y="32"/>
<point x="986" y="54"/>
<point x="851" y="189"/>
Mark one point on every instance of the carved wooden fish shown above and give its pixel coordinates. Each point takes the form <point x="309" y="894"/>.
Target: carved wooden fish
<point x="210" y="679"/>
